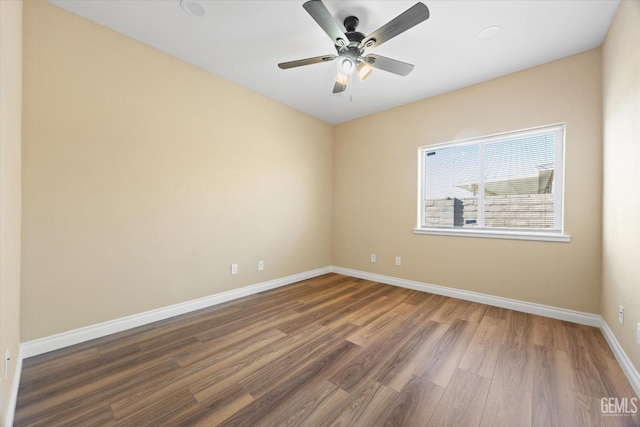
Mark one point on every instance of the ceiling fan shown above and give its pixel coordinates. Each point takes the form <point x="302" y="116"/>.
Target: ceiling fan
<point x="351" y="45"/>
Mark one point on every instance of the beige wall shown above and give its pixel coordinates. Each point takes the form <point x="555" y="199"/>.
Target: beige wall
<point x="375" y="186"/>
<point x="145" y="178"/>
<point x="10" y="187"/>
<point x="621" y="199"/>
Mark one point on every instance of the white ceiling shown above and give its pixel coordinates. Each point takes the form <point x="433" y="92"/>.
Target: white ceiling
<point x="243" y="41"/>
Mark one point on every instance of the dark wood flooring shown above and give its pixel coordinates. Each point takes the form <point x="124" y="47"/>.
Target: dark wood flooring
<point x="333" y="350"/>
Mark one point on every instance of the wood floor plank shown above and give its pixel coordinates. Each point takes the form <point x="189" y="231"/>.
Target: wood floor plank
<point x="359" y="400"/>
<point x="296" y="410"/>
<point x="377" y="308"/>
<point x="384" y="324"/>
<point x="415" y="404"/>
<point x="549" y="333"/>
<point x="64" y="365"/>
<point x="450" y="310"/>
<point x="552" y="395"/>
<point x="375" y="408"/>
<point x="445" y="357"/>
<point x="208" y="381"/>
<point x="91" y="392"/>
<point x="593" y="371"/>
<point x="158" y="410"/>
<point x="94" y="415"/>
<point x="184" y="379"/>
<point x="294" y="362"/>
<point x="333" y="350"/>
<point x="331" y="295"/>
<point x="408" y="360"/>
<point x="317" y="313"/>
<point x="414" y="297"/>
<point x="519" y="331"/>
<point x="372" y="360"/>
<point x="243" y="340"/>
<point x="346" y="312"/>
<point x="327" y="410"/>
<point x="113" y="339"/>
<point x="68" y="378"/>
<point x="286" y="389"/>
<point x="474" y="313"/>
<point x="462" y="402"/>
<point x="482" y="352"/>
<point x="251" y="319"/>
<point x="214" y="410"/>
<point x="510" y="396"/>
<point x="497" y="312"/>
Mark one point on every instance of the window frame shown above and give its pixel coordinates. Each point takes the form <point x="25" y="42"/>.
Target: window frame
<point x="555" y="234"/>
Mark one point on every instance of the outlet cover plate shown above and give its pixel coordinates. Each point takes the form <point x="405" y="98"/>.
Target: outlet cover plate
<point x="621" y="314"/>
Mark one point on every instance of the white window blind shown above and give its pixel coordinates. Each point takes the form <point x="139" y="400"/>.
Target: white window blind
<point x="511" y="181"/>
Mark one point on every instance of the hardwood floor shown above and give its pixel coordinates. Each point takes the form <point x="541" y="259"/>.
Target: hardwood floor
<point x="333" y="350"/>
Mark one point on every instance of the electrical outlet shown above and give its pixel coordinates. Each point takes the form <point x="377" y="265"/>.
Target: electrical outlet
<point x="234" y="268"/>
<point x="638" y="333"/>
<point x="373" y="258"/>
<point x="260" y="265"/>
<point x="621" y="314"/>
<point x="398" y="260"/>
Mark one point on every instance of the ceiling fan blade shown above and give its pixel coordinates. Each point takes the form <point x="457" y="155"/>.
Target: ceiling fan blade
<point x="406" y="20"/>
<point x="307" y="61"/>
<point x="325" y="19"/>
<point x="339" y="87"/>
<point x="387" y="64"/>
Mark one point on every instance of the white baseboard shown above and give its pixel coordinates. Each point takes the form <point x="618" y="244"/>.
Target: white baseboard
<point x="512" y="304"/>
<point x="76" y="336"/>
<point x="627" y="367"/>
<point x="13" y="393"/>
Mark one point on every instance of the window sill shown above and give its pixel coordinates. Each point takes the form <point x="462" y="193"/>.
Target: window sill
<point x="497" y="234"/>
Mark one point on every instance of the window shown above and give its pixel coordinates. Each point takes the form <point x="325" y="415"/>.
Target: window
<point x="506" y="186"/>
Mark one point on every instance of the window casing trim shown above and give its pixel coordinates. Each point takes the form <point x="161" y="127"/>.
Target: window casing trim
<point x="546" y="236"/>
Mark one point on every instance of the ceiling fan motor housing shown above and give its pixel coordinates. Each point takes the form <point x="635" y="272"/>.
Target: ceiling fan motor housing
<point x="350" y="24"/>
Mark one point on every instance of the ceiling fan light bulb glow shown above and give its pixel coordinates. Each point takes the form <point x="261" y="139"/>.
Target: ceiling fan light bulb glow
<point x="345" y="66"/>
<point x="364" y="70"/>
<point x="342" y="78"/>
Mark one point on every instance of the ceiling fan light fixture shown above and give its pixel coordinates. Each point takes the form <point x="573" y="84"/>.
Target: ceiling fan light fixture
<point x="364" y="70"/>
<point x="351" y="45"/>
<point x="345" y="66"/>
<point x="342" y="78"/>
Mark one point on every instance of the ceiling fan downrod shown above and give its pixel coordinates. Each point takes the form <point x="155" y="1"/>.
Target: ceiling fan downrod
<point x="350" y="24"/>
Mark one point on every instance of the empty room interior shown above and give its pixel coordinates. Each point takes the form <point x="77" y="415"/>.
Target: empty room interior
<point x="201" y="227"/>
